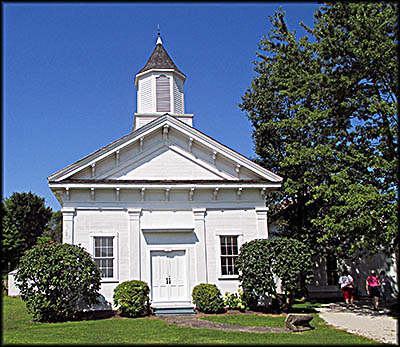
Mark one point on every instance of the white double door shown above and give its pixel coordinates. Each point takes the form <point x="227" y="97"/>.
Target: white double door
<point x="169" y="277"/>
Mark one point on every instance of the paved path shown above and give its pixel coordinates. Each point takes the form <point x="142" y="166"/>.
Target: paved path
<point x="361" y="320"/>
<point x="191" y="321"/>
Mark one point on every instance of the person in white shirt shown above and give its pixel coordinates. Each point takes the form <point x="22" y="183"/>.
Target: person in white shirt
<point x="347" y="285"/>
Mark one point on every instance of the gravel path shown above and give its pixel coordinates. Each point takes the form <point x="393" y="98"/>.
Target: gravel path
<point x="361" y="320"/>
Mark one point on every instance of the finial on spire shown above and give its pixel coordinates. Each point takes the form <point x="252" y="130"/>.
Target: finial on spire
<point x="159" y="41"/>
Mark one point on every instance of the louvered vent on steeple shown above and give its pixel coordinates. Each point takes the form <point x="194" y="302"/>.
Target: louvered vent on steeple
<point x="163" y="94"/>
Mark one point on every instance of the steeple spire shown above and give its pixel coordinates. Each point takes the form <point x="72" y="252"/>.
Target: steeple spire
<point x="160" y="88"/>
<point x="159" y="41"/>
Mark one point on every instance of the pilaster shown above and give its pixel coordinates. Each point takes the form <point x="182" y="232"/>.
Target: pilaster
<point x="201" y="246"/>
<point x="262" y="225"/>
<point x="134" y="243"/>
<point x="68" y="214"/>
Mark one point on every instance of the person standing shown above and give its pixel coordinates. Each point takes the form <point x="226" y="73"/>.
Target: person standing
<point x="372" y="285"/>
<point x="386" y="288"/>
<point x="346" y="284"/>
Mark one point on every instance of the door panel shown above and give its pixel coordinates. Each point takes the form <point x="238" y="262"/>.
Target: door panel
<point x="159" y="271"/>
<point x="168" y="271"/>
<point x="178" y="276"/>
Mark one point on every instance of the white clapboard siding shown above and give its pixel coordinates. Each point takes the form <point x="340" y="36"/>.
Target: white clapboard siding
<point x="165" y="165"/>
<point x="163" y="94"/>
<point x="227" y="222"/>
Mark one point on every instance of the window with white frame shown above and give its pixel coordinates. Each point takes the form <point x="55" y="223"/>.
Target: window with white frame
<point x="229" y="253"/>
<point x="104" y="255"/>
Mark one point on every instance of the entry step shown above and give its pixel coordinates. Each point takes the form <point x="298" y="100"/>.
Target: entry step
<point x="173" y="311"/>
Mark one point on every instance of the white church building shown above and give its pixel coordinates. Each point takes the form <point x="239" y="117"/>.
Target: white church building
<point x="165" y="204"/>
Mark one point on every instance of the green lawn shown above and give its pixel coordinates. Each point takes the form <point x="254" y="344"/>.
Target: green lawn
<point x="18" y="328"/>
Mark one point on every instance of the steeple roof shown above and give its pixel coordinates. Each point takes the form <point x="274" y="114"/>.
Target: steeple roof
<point x="160" y="59"/>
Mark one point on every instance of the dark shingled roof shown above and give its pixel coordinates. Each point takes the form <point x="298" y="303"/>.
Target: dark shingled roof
<point x="160" y="60"/>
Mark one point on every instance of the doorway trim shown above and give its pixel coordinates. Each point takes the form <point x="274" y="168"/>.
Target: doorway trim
<point x="186" y="302"/>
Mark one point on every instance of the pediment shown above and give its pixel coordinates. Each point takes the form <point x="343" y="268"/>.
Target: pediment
<point x="165" y="149"/>
<point x="165" y="162"/>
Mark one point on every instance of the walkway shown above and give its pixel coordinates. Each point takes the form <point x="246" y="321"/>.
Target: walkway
<point x="361" y="320"/>
<point x="191" y="321"/>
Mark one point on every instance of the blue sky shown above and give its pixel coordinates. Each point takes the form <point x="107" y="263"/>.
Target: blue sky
<point x="68" y="72"/>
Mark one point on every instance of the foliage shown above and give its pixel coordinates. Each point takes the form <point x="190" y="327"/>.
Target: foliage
<point x="132" y="297"/>
<point x="207" y="298"/>
<point x="324" y="112"/>
<point x="259" y="261"/>
<point x="57" y="280"/>
<point x="235" y="301"/>
<point x="11" y="244"/>
<point x="54" y="228"/>
<point x="26" y="218"/>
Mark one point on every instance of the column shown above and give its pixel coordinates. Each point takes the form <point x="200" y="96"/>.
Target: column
<point x="262" y="225"/>
<point x="134" y="243"/>
<point x="68" y="214"/>
<point x="201" y="246"/>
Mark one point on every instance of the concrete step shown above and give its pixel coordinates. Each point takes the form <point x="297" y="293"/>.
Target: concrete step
<point x="173" y="311"/>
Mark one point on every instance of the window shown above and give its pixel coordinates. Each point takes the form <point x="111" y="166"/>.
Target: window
<point x="104" y="256"/>
<point x="163" y="94"/>
<point x="229" y="253"/>
<point x="332" y="270"/>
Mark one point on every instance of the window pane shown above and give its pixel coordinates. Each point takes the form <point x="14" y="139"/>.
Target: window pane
<point x="223" y="249"/>
<point x="103" y="255"/>
<point x="229" y="253"/>
<point x="224" y="270"/>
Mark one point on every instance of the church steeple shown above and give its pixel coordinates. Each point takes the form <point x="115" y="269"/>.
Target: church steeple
<point x="159" y="88"/>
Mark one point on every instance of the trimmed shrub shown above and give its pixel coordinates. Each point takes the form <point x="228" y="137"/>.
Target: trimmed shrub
<point x="57" y="280"/>
<point x="207" y="298"/>
<point x="260" y="260"/>
<point x="132" y="298"/>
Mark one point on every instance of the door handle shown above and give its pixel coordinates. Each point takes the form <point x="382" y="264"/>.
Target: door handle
<point x="167" y="280"/>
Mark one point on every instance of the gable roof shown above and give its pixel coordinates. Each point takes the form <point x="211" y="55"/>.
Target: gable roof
<point x="160" y="59"/>
<point x="206" y="141"/>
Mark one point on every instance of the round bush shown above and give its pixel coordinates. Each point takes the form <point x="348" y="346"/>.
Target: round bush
<point x="207" y="298"/>
<point x="57" y="280"/>
<point x="132" y="298"/>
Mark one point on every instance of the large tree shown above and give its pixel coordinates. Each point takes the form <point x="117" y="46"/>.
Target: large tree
<point x="54" y="228"/>
<point x="324" y="112"/>
<point x="26" y="217"/>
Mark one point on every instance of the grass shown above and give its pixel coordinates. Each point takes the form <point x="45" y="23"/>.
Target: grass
<point x="18" y="328"/>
